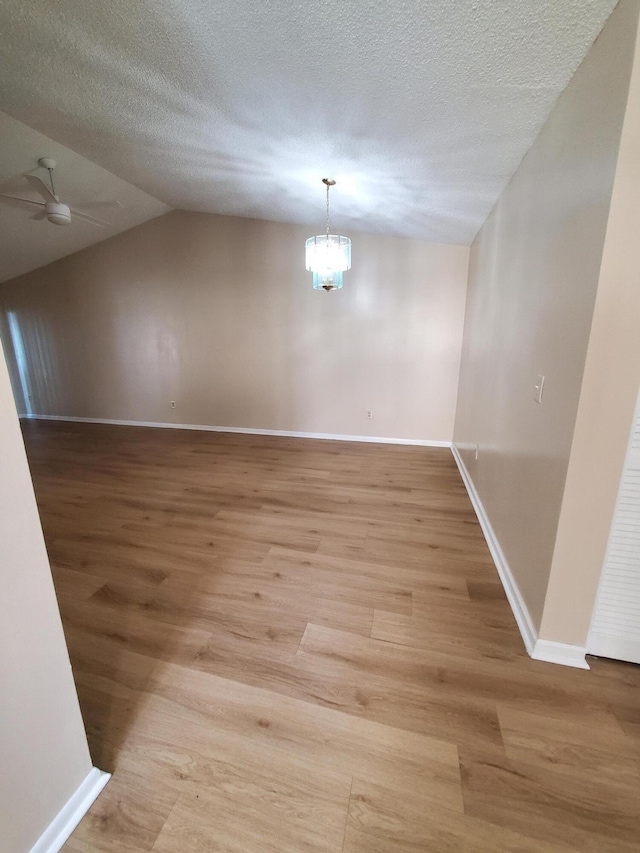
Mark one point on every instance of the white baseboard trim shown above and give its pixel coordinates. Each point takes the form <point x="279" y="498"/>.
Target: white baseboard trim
<point x="70" y="815"/>
<point x="519" y="608"/>
<point x="562" y="653"/>
<point x="546" y="650"/>
<point x="244" y="430"/>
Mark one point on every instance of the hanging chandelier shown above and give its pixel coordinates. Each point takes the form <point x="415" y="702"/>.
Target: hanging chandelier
<point x="328" y="255"/>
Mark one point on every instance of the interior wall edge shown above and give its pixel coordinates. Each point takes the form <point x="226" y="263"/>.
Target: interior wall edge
<point x="419" y="442"/>
<point x="534" y="286"/>
<point x="608" y="395"/>
<point x="70" y="815"/>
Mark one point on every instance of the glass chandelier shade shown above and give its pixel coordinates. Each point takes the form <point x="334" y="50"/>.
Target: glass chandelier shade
<point x="328" y="253"/>
<point x="327" y="256"/>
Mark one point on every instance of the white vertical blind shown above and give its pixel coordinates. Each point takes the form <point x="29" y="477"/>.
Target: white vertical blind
<point x="615" y="629"/>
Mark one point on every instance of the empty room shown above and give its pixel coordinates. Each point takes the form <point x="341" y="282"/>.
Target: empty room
<point x="320" y="426"/>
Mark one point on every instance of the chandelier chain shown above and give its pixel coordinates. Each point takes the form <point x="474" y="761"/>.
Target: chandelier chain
<point x="328" y="188"/>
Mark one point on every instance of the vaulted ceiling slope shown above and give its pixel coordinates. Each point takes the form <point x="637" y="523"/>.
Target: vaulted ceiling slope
<point x="421" y="110"/>
<point x="26" y="245"/>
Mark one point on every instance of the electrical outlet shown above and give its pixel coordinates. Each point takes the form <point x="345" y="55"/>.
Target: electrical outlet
<point x="369" y="413"/>
<point x="173" y="404"/>
<point x="537" y="388"/>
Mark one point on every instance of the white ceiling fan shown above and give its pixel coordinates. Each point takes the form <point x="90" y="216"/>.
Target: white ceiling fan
<point x="52" y="208"/>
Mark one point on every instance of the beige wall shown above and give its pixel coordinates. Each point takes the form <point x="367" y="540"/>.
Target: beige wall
<point x="532" y="286"/>
<point x="218" y="314"/>
<point x="607" y="402"/>
<point x="42" y="740"/>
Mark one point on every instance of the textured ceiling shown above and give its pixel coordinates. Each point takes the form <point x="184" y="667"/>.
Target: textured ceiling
<point x="421" y="109"/>
<point x="25" y="245"/>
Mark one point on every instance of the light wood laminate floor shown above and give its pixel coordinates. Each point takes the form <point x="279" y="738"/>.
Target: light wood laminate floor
<point x="290" y="645"/>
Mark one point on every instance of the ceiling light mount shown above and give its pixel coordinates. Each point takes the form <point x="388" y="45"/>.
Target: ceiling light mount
<point x="328" y="255"/>
<point x="57" y="217"/>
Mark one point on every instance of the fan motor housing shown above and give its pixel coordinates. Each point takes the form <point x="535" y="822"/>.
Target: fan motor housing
<point x="58" y="213"/>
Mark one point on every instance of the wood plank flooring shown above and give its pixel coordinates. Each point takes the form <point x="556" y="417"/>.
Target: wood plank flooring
<point x="291" y="645"/>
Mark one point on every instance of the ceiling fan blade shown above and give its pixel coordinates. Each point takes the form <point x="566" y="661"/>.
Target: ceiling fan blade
<point x="79" y="215"/>
<point x="42" y="214"/>
<point x="100" y="205"/>
<point x="24" y="203"/>
<point x="38" y="184"/>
